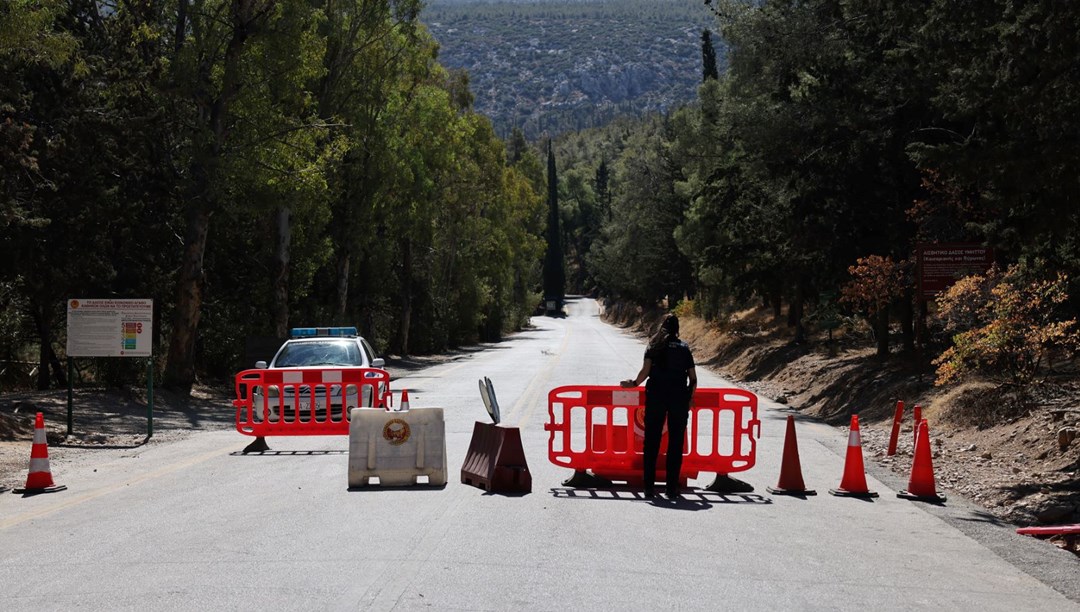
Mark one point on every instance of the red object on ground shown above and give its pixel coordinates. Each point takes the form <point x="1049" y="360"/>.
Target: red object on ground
<point x="791" y="479"/>
<point x="917" y="413"/>
<point x="853" y="484"/>
<point x="921" y="484"/>
<point x="1050" y="530"/>
<point x="39" y="479"/>
<point x="897" y="419"/>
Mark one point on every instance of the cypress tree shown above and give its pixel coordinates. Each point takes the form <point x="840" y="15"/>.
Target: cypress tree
<point x="708" y="57"/>
<point x="554" y="274"/>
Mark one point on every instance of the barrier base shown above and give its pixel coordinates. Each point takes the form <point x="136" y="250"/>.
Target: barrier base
<point x="584" y="480"/>
<point x="496" y="461"/>
<point x="726" y="484"/>
<point x="933" y="499"/>
<point x="846" y="493"/>
<point x="257" y="445"/>
<point x="364" y="482"/>
<point x="52" y="489"/>
<point x="792" y="492"/>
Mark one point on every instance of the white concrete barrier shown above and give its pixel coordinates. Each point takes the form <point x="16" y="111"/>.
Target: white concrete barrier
<point x="397" y="447"/>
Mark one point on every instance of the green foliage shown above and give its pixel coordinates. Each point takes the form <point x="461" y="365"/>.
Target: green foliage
<point x="235" y="160"/>
<point x="635" y="256"/>
<point x="1004" y="325"/>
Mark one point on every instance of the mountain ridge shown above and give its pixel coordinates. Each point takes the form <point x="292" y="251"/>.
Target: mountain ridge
<point x="555" y="66"/>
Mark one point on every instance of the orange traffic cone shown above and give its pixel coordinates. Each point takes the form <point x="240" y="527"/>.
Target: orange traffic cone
<point x="791" y="480"/>
<point x="404" y="399"/>
<point x="921" y="485"/>
<point x="39" y="480"/>
<point x="854" y="482"/>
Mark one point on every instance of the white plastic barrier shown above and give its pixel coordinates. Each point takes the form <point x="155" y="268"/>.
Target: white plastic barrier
<point x="397" y="447"/>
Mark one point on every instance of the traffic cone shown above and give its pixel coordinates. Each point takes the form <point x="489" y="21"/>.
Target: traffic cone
<point x="791" y="480"/>
<point x="404" y="399"/>
<point x="898" y="417"/>
<point x="853" y="483"/>
<point x="921" y="484"/>
<point x="39" y="480"/>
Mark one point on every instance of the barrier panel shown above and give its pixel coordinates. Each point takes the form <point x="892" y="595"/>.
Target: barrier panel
<point x="602" y="429"/>
<point x="305" y="401"/>
<point x="397" y="447"/>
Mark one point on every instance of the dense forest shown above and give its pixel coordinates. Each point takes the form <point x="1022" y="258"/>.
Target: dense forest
<point x="840" y="137"/>
<point x="551" y="66"/>
<point x="251" y="165"/>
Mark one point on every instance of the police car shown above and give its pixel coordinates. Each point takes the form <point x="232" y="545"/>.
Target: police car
<point x="315" y="348"/>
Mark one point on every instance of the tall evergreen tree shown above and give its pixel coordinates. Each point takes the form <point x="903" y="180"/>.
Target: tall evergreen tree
<point x="554" y="274"/>
<point x="708" y="57"/>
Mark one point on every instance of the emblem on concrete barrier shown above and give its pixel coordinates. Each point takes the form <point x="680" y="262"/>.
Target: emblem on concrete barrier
<point x="396" y="432"/>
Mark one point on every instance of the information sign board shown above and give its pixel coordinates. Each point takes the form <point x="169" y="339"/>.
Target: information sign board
<point x="109" y="328"/>
<point x="941" y="265"/>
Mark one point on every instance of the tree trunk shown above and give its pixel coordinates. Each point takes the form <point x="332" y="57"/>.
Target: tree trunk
<point x="245" y="16"/>
<point x="795" y="314"/>
<point x="881" y="331"/>
<point x="44" y="332"/>
<point x="907" y="320"/>
<point x="406" y="293"/>
<point x="342" y="284"/>
<point x="279" y="305"/>
<point x="180" y="368"/>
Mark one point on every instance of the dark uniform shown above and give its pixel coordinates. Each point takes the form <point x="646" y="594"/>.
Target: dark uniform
<point x="667" y="396"/>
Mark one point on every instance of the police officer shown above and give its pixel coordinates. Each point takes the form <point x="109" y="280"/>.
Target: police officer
<point x="669" y="367"/>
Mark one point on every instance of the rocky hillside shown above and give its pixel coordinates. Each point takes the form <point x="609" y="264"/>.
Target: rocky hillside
<point x="558" y="65"/>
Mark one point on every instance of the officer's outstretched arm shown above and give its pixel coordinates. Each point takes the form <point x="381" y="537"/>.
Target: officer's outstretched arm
<point x="646" y="366"/>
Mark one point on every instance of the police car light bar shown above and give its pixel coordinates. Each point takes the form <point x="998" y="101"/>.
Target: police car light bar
<point x="310" y="332"/>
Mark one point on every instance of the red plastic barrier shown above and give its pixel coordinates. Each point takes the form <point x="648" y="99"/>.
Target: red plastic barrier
<point x="602" y="429"/>
<point x="293" y="402"/>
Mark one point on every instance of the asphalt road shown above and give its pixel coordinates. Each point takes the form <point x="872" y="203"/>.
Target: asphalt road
<point x="197" y="525"/>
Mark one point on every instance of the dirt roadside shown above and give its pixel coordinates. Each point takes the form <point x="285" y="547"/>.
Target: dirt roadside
<point x="1018" y="457"/>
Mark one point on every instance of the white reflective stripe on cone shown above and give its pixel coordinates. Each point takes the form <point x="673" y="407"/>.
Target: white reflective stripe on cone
<point x="854" y="439"/>
<point x="39" y="436"/>
<point x="39" y="465"/>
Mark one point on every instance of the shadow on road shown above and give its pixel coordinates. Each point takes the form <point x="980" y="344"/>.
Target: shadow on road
<point x="689" y="500"/>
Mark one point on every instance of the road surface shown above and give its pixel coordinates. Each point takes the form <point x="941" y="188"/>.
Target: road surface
<point x="196" y="525"/>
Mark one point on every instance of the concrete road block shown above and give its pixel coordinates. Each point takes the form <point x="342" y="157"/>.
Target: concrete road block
<point x="397" y="447"/>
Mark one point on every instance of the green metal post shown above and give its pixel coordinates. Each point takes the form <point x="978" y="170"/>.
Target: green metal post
<point x="150" y="397"/>
<point x="71" y="394"/>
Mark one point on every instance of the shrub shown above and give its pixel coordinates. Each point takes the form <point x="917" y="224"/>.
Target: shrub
<point x="1005" y="324"/>
<point x="685" y="309"/>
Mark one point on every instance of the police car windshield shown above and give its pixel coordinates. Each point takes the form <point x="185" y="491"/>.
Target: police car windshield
<point x="319" y="353"/>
